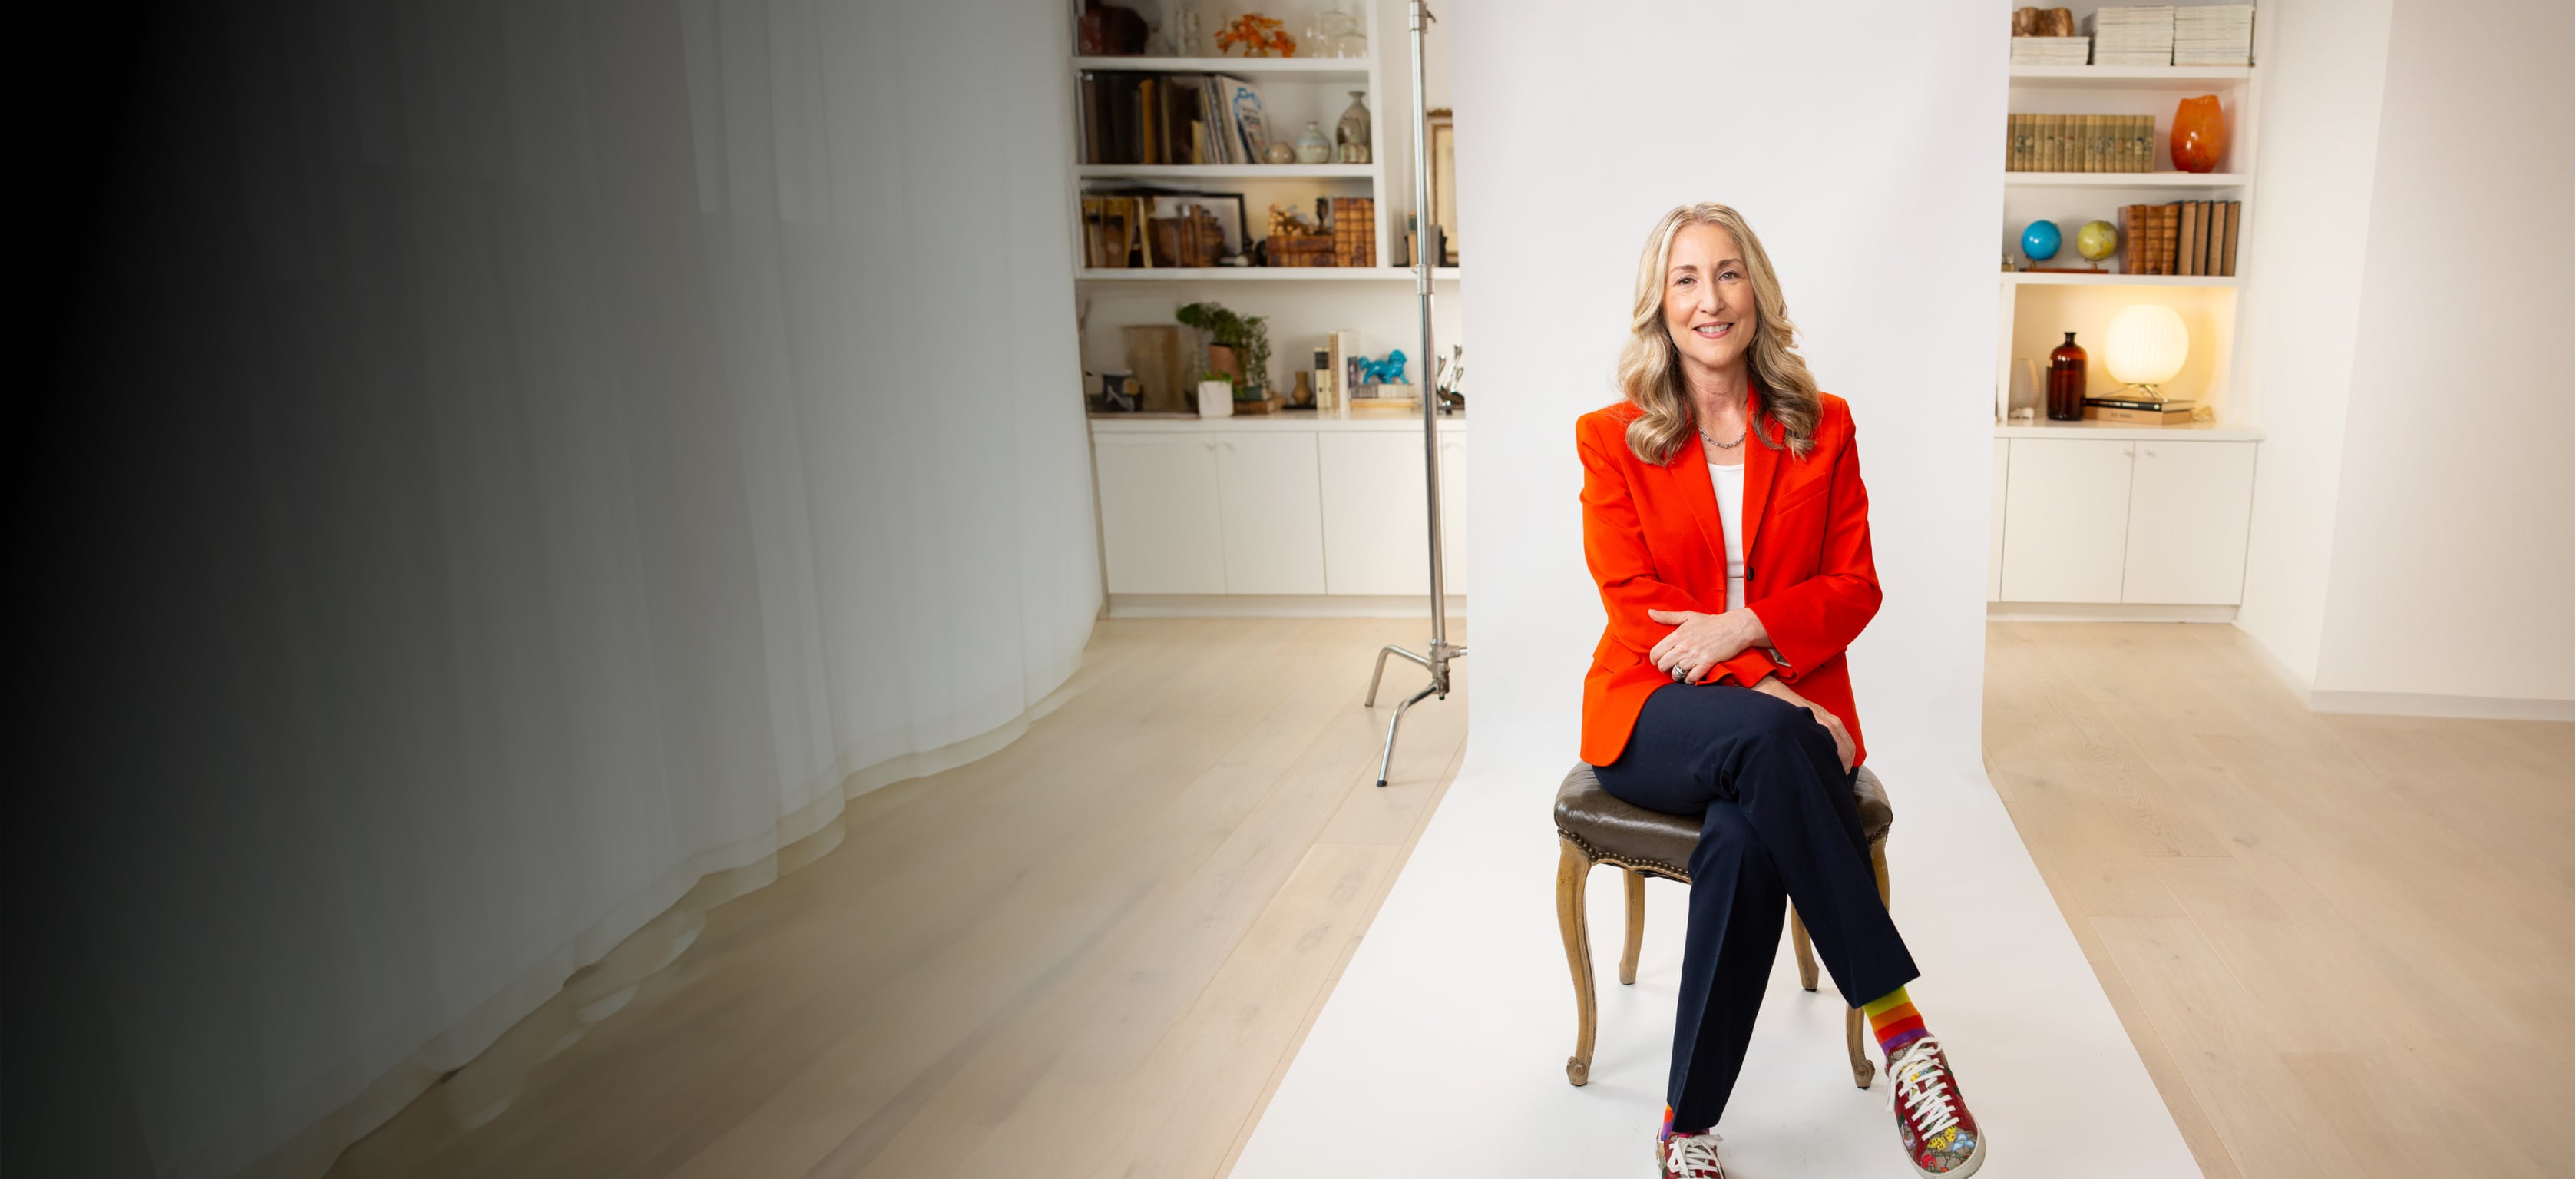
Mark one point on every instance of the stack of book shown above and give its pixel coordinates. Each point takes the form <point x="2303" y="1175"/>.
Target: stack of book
<point x="2185" y="237"/>
<point x="2214" y="35"/>
<point x="2079" y="143"/>
<point x="2138" y="405"/>
<point x="2141" y="36"/>
<point x="1354" y="231"/>
<point x="2051" y="50"/>
<point x="1141" y="118"/>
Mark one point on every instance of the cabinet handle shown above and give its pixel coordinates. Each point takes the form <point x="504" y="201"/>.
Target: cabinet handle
<point x="2151" y="452"/>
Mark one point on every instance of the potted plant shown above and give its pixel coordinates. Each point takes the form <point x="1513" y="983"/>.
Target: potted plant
<point x="1238" y="344"/>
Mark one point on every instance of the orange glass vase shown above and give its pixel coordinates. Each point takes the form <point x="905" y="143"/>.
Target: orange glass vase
<point x="2199" y="135"/>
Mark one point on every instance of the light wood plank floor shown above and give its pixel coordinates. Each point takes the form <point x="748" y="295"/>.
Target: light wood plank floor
<point x="2342" y="943"/>
<point x="1088" y="954"/>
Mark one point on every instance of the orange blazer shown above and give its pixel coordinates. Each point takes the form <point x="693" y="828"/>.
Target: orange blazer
<point x="1652" y="537"/>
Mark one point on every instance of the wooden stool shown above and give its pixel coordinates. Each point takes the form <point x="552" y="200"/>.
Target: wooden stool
<point x="1596" y="828"/>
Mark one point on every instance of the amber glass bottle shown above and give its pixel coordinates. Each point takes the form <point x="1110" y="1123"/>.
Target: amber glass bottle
<point x="2066" y="382"/>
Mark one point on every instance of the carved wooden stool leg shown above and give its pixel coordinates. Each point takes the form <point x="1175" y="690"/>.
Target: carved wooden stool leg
<point x="1636" y="927"/>
<point x="1571" y="868"/>
<point x="1862" y="1069"/>
<point x="1806" y="952"/>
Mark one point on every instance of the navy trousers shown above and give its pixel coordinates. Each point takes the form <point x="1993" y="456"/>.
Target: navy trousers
<point x="1778" y="823"/>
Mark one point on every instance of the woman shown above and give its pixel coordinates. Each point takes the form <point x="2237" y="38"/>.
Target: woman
<point x="1734" y="576"/>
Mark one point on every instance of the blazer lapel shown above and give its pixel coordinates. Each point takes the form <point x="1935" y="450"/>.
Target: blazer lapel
<point x="1761" y="464"/>
<point x="1691" y="472"/>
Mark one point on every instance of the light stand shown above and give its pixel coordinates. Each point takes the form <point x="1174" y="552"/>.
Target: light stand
<point x="1427" y="250"/>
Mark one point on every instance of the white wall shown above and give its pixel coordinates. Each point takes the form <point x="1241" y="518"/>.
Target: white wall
<point x="2321" y="62"/>
<point x="2452" y="570"/>
<point x="2411" y="522"/>
<point x="1893" y="298"/>
<point x="529" y="456"/>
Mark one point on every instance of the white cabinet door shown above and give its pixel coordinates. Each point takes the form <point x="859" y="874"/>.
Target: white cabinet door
<point x="1995" y="523"/>
<point x="1159" y="526"/>
<point x="1273" y="517"/>
<point x="1453" y="513"/>
<point x="2066" y="521"/>
<point x="2189" y="506"/>
<point x="1377" y="539"/>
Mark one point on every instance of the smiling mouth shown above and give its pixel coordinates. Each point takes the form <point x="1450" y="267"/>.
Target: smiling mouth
<point x="1712" y="331"/>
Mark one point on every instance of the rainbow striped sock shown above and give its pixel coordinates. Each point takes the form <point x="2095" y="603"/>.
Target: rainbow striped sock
<point x="1667" y="1131"/>
<point x="1894" y="1021"/>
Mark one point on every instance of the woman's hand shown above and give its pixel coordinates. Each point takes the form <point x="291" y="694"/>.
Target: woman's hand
<point x="1843" y="749"/>
<point x="1702" y="641"/>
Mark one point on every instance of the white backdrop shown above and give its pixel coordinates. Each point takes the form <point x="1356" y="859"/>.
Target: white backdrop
<point x="537" y="453"/>
<point x="1854" y="139"/>
<point x="1859" y="141"/>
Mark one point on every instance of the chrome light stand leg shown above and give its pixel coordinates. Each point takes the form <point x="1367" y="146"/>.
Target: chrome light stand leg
<point x="1427" y="251"/>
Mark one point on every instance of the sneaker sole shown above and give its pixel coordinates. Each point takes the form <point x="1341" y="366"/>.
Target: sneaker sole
<point x="1976" y="1159"/>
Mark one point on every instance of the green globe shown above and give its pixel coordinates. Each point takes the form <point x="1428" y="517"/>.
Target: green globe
<point x="2096" y="240"/>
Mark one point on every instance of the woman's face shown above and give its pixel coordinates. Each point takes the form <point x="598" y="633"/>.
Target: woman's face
<point x="1708" y="297"/>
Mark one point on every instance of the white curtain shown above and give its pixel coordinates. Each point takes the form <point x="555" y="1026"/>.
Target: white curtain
<point x="592" y="434"/>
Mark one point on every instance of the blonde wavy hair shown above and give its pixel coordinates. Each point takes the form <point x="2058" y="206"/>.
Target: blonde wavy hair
<point x="1650" y="369"/>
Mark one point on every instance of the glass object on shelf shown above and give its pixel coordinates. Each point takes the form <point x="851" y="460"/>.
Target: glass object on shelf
<point x="2199" y="134"/>
<point x="1312" y="147"/>
<point x="1190" y="32"/>
<point x="1334" y="24"/>
<point x="2023" y="402"/>
<point x="2145" y="346"/>
<point x="2066" y="371"/>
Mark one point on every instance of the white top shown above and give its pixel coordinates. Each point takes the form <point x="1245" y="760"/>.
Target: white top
<point x="1730" y="516"/>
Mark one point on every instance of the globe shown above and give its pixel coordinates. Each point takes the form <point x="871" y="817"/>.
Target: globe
<point x="2096" y="240"/>
<point x="2040" y="241"/>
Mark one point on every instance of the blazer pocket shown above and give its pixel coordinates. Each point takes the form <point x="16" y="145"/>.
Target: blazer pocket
<point x="1812" y="493"/>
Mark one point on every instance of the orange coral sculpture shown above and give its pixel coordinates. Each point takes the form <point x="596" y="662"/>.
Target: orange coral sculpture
<point x="1260" y="36"/>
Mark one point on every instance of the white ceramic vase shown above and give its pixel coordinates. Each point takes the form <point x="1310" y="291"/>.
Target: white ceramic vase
<point x="1216" y="399"/>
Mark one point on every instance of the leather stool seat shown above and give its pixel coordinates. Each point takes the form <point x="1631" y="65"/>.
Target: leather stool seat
<point x="1660" y="844"/>
<point x="1596" y="828"/>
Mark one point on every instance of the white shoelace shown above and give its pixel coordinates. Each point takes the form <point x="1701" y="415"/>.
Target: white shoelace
<point x="1687" y="1154"/>
<point x="1917" y="1078"/>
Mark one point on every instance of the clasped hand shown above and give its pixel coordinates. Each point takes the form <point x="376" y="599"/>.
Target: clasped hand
<point x="1702" y="641"/>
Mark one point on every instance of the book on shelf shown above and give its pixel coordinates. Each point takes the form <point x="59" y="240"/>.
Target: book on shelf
<point x="1354" y="231"/>
<point x="2051" y="50"/>
<point x="2079" y="143"/>
<point x="2135" y="36"/>
<point x="2135" y="417"/>
<point x="1140" y="117"/>
<point x="2213" y="35"/>
<point x="2140" y="397"/>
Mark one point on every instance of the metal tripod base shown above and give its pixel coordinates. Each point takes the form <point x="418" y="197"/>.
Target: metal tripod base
<point x="1437" y="663"/>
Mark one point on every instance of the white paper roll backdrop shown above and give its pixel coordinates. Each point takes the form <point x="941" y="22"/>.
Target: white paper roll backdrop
<point x="1858" y="141"/>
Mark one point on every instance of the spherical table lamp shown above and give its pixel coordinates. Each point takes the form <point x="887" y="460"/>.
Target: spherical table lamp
<point x="2145" y="347"/>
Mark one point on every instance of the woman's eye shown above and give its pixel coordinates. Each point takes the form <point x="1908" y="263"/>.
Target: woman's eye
<point x="1730" y="274"/>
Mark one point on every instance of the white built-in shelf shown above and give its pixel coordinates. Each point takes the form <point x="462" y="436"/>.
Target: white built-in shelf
<point x="1262" y="274"/>
<point x="2095" y="77"/>
<point x="2193" y="180"/>
<point x="2030" y="278"/>
<point x="2126" y="431"/>
<point x="1317" y="68"/>
<point x="1226" y="171"/>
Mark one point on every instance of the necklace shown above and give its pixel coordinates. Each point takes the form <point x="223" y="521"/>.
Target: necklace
<point x="1739" y="441"/>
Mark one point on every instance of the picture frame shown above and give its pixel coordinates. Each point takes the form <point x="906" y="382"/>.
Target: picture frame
<point x="1444" y="181"/>
<point x="1230" y="208"/>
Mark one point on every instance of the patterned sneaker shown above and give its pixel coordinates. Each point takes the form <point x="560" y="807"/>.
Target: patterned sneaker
<point x="1940" y="1136"/>
<point x="1689" y="1156"/>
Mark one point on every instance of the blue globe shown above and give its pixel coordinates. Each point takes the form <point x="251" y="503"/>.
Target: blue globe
<point x="2040" y="241"/>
